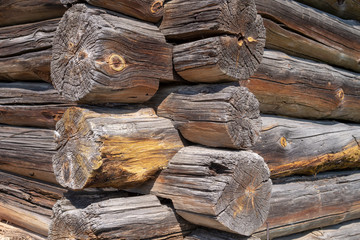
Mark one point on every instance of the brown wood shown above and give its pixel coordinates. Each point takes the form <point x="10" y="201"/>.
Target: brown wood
<point x="26" y="202"/>
<point x="118" y="148"/>
<point x="102" y="57"/>
<point x="27" y="151"/>
<point x="225" y="190"/>
<point x="9" y="232"/>
<point x="148" y="10"/>
<point x="346" y="9"/>
<point x="290" y="86"/>
<point x="141" y="217"/>
<point x="321" y="27"/>
<point x="296" y="146"/>
<point x="215" y="115"/>
<point x="303" y="203"/>
<point x="26" y="11"/>
<point x="211" y="234"/>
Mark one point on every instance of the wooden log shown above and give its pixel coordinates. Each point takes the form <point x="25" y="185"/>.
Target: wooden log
<point x="118" y="148"/>
<point x="8" y="232"/>
<point x="102" y="57"/>
<point x="296" y="146"/>
<point x="27" y="151"/>
<point x="300" y="88"/>
<point x="346" y="9"/>
<point x="26" y="202"/>
<point x="25" y="11"/>
<point x="211" y="234"/>
<point x="225" y="190"/>
<point x="321" y="27"/>
<point x="147" y="10"/>
<point x="220" y="115"/>
<point x="348" y="230"/>
<point x="303" y="203"/>
<point x="141" y="217"/>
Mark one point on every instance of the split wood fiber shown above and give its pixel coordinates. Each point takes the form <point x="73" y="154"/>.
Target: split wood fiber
<point x="147" y="10"/>
<point x="211" y="234"/>
<point x="119" y="148"/>
<point x="221" y="189"/>
<point x="303" y="203"/>
<point x="14" y="232"/>
<point x="27" y="203"/>
<point x="101" y="56"/>
<point x="25" y="51"/>
<point x="338" y="36"/>
<point x="14" y="12"/>
<point x="27" y="151"/>
<point x="297" y="146"/>
<point x="115" y="217"/>
<point x="215" y="115"/>
<point x="295" y="87"/>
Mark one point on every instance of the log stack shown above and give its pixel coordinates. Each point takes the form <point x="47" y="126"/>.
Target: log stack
<point x="142" y="111"/>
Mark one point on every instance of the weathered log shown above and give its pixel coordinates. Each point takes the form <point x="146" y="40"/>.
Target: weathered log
<point x="301" y="88"/>
<point x="25" y="11"/>
<point x="221" y="115"/>
<point x="320" y="26"/>
<point x="303" y="203"/>
<point x="225" y="190"/>
<point x="27" y="203"/>
<point x="12" y="232"/>
<point x="346" y="9"/>
<point x="148" y="10"/>
<point x="296" y="146"/>
<point x="27" y="151"/>
<point x="141" y="217"/>
<point x="102" y="57"/>
<point x="118" y="148"/>
<point x="211" y="234"/>
<point x="196" y="19"/>
<point x="348" y="230"/>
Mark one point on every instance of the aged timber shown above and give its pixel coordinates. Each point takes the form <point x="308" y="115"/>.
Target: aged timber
<point x="13" y="232"/>
<point x="115" y="217"/>
<point x="215" y="115"/>
<point x="27" y="203"/>
<point x="221" y="189"/>
<point x="148" y="10"/>
<point x="211" y="234"/>
<point x="118" y="148"/>
<point x="290" y="86"/>
<point x="101" y="56"/>
<point x="296" y="146"/>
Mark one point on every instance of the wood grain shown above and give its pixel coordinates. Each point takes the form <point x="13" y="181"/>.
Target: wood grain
<point x="9" y="232"/>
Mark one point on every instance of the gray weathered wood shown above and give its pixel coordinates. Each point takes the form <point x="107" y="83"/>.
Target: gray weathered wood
<point x="100" y="56"/>
<point x="27" y="151"/>
<point x="25" y="11"/>
<point x="211" y="234"/>
<point x="148" y="10"/>
<point x="14" y="232"/>
<point x="225" y="190"/>
<point x="297" y="146"/>
<point x="215" y="115"/>
<point x="303" y="203"/>
<point x="26" y="202"/>
<point x="118" y="148"/>
<point x="141" y="217"/>
<point x="301" y="88"/>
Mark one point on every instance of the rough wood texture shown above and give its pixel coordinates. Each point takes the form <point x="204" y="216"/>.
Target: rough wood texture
<point x="316" y="25"/>
<point x="303" y="203"/>
<point x="346" y="9"/>
<point x="27" y="151"/>
<point x="148" y="10"/>
<point x="225" y="190"/>
<point x="118" y="148"/>
<point x="295" y="146"/>
<point x="348" y="230"/>
<point x="27" y="203"/>
<point x="141" y="217"/>
<point x="211" y="234"/>
<point x="8" y="232"/>
<point x="301" y="88"/>
<point x="24" y="11"/>
<point x="102" y="57"/>
<point x="220" y="115"/>
<point x="195" y="19"/>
